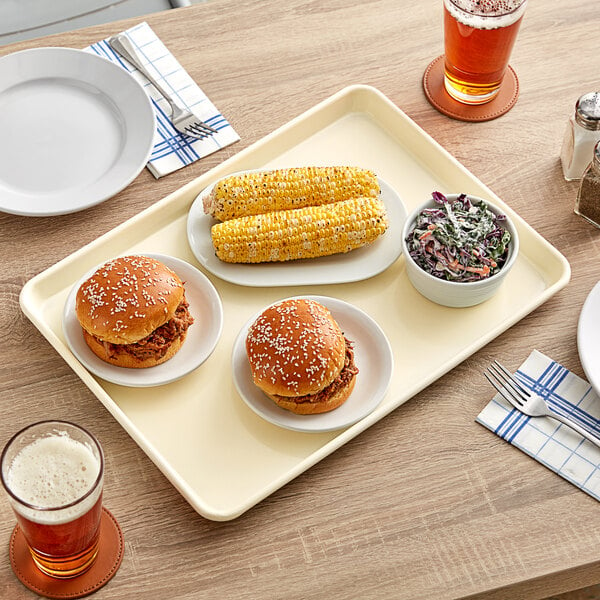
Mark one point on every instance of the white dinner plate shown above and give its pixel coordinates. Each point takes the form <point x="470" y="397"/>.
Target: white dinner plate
<point x="76" y="130"/>
<point x="202" y="336"/>
<point x="588" y="337"/>
<point x="359" y="264"/>
<point x="372" y="355"/>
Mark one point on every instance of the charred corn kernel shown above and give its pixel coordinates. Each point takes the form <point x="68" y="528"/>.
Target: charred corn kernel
<point x="259" y="192"/>
<point x="301" y="232"/>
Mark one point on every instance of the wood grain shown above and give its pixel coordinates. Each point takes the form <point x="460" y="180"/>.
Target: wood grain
<point x="426" y="503"/>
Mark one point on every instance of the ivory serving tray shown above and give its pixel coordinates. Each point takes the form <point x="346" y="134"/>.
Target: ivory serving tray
<point x="214" y="449"/>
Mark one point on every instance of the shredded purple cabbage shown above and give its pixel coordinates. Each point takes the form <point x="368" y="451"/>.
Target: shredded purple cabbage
<point x="460" y="240"/>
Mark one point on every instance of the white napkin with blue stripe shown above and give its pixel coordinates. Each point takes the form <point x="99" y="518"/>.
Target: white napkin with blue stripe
<point x="172" y="149"/>
<point x="549" y="442"/>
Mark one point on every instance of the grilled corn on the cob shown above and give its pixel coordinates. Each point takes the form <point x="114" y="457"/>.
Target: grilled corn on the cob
<point x="259" y="192"/>
<point x="300" y="233"/>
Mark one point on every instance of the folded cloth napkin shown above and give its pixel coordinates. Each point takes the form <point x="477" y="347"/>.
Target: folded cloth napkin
<point x="549" y="442"/>
<point x="172" y="149"/>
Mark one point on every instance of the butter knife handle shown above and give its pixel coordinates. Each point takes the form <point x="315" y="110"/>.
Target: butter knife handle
<point x="121" y="44"/>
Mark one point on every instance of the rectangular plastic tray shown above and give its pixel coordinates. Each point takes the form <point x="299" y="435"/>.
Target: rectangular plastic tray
<point x="221" y="456"/>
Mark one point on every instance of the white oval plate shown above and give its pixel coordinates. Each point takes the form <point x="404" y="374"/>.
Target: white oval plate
<point x="588" y="338"/>
<point x="373" y="357"/>
<point x="202" y="336"/>
<point x="357" y="265"/>
<point x="80" y="128"/>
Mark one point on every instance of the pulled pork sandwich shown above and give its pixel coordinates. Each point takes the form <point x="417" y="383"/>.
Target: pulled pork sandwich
<point x="300" y="358"/>
<point x="133" y="312"/>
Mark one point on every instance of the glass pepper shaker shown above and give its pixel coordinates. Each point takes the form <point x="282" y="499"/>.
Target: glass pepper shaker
<point x="581" y="135"/>
<point x="587" y="204"/>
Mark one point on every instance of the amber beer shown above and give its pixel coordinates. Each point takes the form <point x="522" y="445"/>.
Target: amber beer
<point x="53" y="474"/>
<point x="478" y="38"/>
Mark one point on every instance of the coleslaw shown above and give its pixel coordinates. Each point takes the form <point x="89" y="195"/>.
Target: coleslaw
<point x="460" y="240"/>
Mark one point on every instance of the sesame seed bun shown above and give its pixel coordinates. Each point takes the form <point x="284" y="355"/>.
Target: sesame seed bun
<point x="295" y="348"/>
<point x="133" y="312"/>
<point x="127" y="298"/>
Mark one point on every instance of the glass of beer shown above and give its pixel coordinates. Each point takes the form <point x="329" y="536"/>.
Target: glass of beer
<point x="53" y="473"/>
<point x="478" y="38"/>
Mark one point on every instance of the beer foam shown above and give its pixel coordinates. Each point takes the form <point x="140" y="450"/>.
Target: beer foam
<point x="52" y="472"/>
<point x="486" y="14"/>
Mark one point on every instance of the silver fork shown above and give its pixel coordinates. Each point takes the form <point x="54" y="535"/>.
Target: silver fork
<point x="183" y="119"/>
<point x="526" y="401"/>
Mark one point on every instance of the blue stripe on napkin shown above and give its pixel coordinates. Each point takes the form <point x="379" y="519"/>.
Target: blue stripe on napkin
<point x="172" y="149"/>
<point x="549" y="442"/>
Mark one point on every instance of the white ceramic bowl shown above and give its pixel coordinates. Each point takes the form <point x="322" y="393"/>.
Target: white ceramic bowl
<point x="453" y="293"/>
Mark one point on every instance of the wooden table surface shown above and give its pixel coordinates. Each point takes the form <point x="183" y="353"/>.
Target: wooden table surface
<point x="426" y="503"/>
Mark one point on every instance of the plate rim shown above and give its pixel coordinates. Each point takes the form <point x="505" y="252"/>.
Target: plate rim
<point x="225" y="271"/>
<point x="309" y="423"/>
<point x="217" y="318"/>
<point x="143" y="105"/>
<point x="583" y="337"/>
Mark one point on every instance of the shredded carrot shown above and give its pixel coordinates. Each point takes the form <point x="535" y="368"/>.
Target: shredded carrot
<point x="479" y="270"/>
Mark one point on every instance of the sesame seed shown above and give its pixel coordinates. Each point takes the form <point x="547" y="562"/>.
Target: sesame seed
<point x="123" y="284"/>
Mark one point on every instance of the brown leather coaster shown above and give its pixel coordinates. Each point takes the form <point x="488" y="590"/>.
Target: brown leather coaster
<point x="433" y="84"/>
<point x="110" y="554"/>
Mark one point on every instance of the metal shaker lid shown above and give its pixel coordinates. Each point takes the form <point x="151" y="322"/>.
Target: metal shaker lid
<point x="587" y="110"/>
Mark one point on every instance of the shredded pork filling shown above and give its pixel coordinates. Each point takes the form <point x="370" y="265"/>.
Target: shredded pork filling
<point x="349" y="370"/>
<point x="159" y="341"/>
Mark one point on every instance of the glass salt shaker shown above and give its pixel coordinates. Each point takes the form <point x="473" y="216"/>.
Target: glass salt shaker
<point x="587" y="204"/>
<point x="581" y="135"/>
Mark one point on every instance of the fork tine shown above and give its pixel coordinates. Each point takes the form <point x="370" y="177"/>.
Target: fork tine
<point x="497" y="386"/>
<point x="511" y="380"/>
<point x="196" y="130"/>
<point x="498" y="380"/>
<point x="197" y="134"/>
<point x="200" y="127"/>
<point x="208" y="127"/>
<point x="503" y="376"/>
<point x="500" y="375"/>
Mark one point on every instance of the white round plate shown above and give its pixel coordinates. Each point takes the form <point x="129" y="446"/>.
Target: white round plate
<point x="588" y="339"/>
<point x="202" y="336"/>
<point x="373" y="357"/>
<point x="357" y="265"/>
<point x="80" y="128"/>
